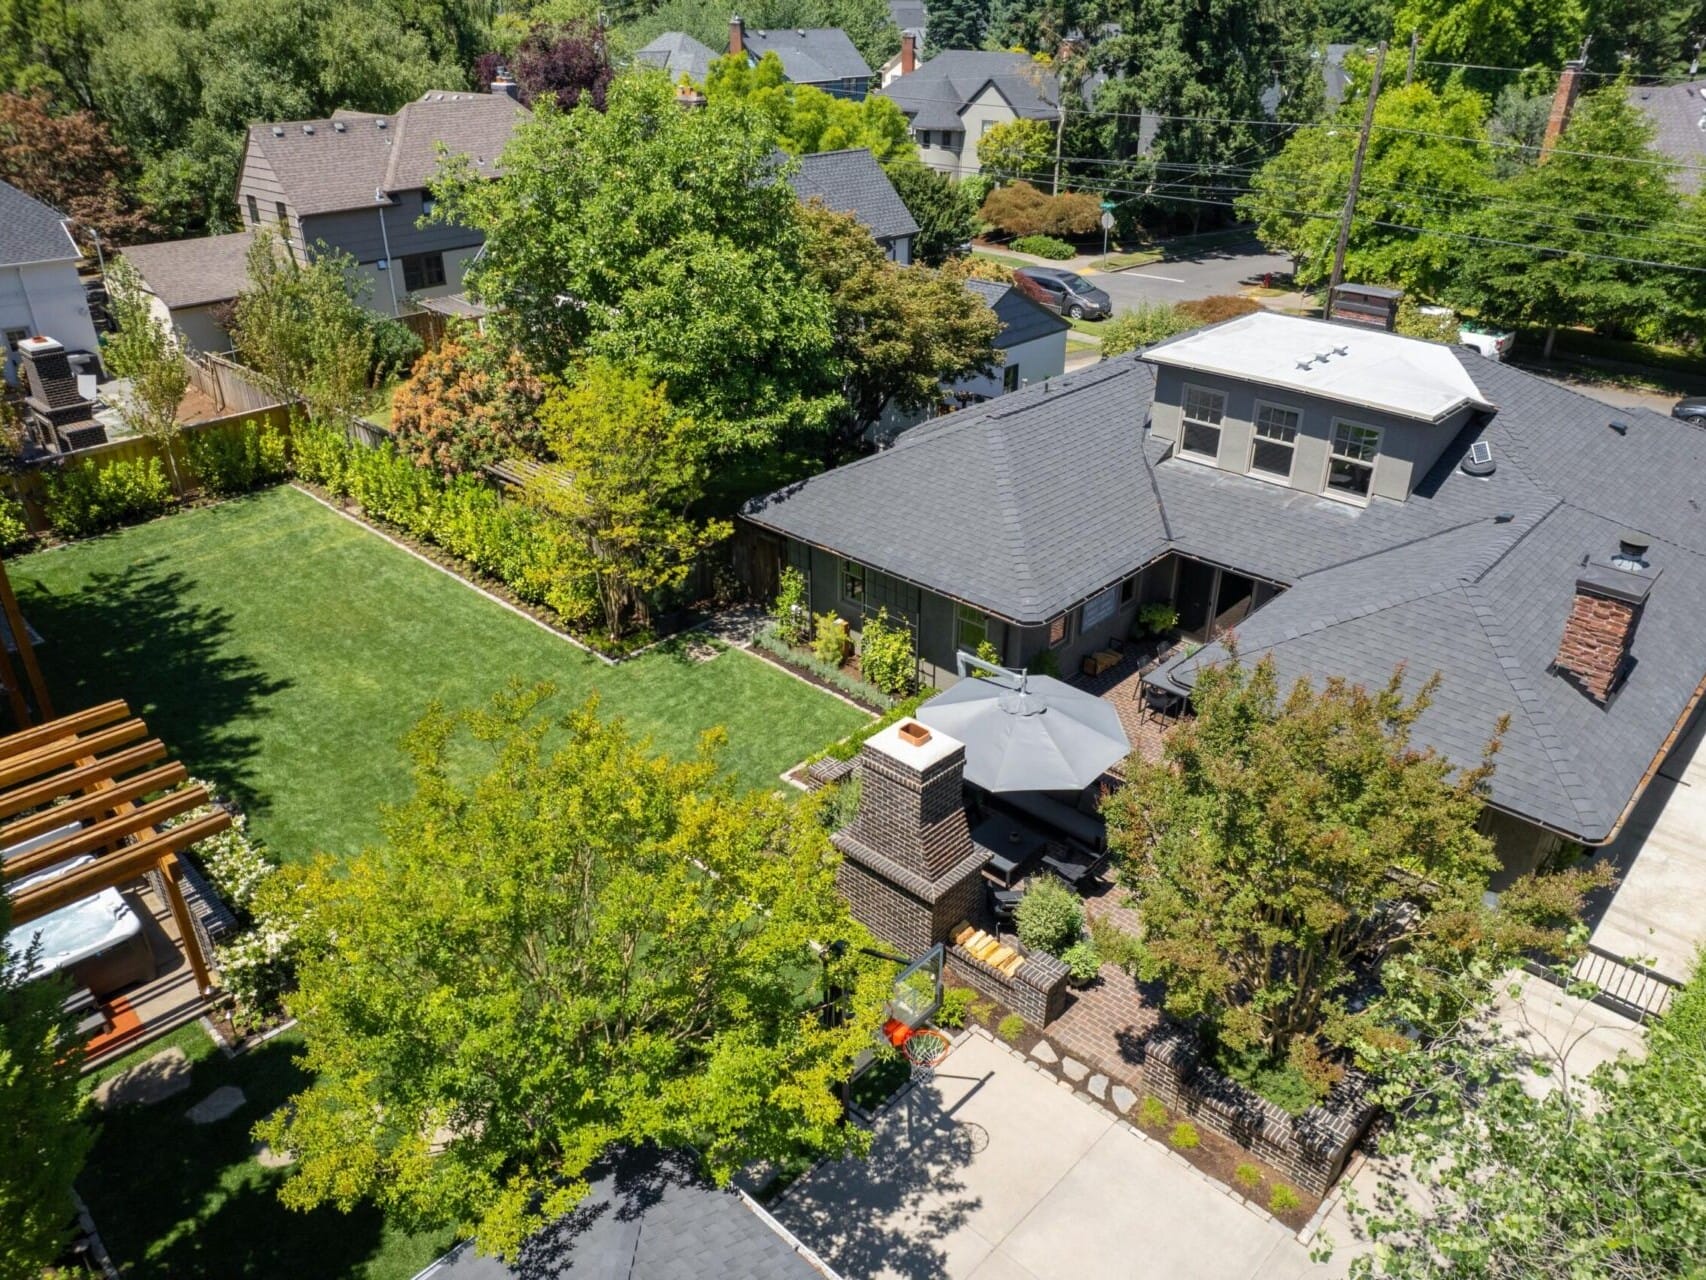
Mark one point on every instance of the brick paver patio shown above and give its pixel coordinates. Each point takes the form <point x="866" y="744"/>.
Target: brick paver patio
<point x="1119" y="686"/>
<point x="1104" y="1025"/>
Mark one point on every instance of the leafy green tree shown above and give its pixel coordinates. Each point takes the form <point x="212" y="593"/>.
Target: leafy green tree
<point x="626" y="469"/>
<point x="1535" y="1171"/>
<point x="806" y="119"/>
<point x="145" y="351"/>
<point x="1017" y="150"/>
<point x="1277" y="834"/>
<point x="1416" y="174"/>
<point x="1546" y="252"/>
<point x="663" y="237"/>
<point x="563" y="949"/>
<point x="41" y="1114"/>
<point x="1495" y="33"/>
<point x="1144" y="325"/>
<point x="944" y="210"/>
<point x="69" y="160"/>
<point x="900" y="332"/>
<point x="957" y="24"/>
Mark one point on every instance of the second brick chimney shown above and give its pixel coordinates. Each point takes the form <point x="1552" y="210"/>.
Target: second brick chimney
<point x="1593" y="653"/>
<point x="737" y="35"/>
<point x="1563" y="102"/>
<point x="908" y="53"/>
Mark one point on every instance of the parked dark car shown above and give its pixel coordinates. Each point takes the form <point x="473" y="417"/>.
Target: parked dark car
<point x="1692" y="410"/>
<point x="1064" y="291"/>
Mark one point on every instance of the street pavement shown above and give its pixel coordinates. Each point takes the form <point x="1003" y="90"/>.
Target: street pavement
<point x="1200" y="273"/>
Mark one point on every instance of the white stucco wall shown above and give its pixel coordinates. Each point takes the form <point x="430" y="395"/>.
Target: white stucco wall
<point x="1037" y="359"/>
<point x="47" y="299"/>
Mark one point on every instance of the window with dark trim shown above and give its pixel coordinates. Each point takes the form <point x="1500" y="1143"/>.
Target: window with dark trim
<point x="1010" y="378"/>
<point x="852" y="581"/>
<point x="1355" y="448"/>
<point x="1203" y="412"/>
<point x="1276" y="440"/>
<point x="254" y="210"/>
<point x="971" y="628"/>
<point x="14" y="337"/>
<point x="423" y="271"/>
<point x="1060" y="630"/>
<point x="1128" y="590"/>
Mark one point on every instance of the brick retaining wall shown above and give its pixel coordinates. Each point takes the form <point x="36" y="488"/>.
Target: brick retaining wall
<point x="1037" y="992"/>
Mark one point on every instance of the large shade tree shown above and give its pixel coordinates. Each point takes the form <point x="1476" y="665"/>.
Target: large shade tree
<point x="566" y="943"/>
<point x="805" y="118"/>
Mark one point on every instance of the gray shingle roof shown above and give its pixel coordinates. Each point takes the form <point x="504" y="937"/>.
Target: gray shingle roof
<point x="646" y="1217"/>
<point x="813" y="55"/>
<point x="191" y="273"/>
<point x="853" y="182"/>
<point x="934" y="95"/>
<point x="1022" y="319"/>
<point x="1060" y="491"/>
<point x="30" y="231"/>
<point x="327" y="169"/>
<point x="1678" y="112"/>
<point x="908" y="15"/>
<point x="679" y="54"/>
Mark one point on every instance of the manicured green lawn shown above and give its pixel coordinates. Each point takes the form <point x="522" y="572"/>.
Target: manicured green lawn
<point x="282" y="651"/>
<point x="179" y="1201"/>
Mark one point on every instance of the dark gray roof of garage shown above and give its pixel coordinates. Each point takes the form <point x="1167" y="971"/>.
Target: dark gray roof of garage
<point x="31" y="231"/>
<point x="810" y="55"/>
<point x="1028" y="504"/>
<point x="648" y="1217"/>
<point x="1022" y="319"/>
<point x="851" y="181"/>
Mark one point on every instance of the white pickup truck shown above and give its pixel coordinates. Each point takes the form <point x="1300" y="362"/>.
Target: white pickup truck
<point x="1492" y="343"/>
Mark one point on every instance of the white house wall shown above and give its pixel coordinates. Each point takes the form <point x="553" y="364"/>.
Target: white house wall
<point x="46" y="299"/>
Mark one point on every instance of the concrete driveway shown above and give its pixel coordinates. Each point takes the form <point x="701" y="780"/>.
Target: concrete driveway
<point x="996" y="1172"/>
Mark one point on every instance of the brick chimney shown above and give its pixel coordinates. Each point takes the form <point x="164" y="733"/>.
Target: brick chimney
<point x="1593" y="653"/>
<point x="687" y="97"/>
<point x="737" y="35"/>
<point x="1563" y="101"/>
<point x="909" y="869"/>
<point x="908" y="53"/>
<point x="504" y="83"/>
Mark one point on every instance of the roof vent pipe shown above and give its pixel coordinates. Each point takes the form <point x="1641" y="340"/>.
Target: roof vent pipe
<point x="1619" y="426"/>
<point x="1631" y="552"/>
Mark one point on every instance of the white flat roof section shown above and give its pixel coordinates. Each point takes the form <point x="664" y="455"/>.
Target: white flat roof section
<point x="1367" y="367"/>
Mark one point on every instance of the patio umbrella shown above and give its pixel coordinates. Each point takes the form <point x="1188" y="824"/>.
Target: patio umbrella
<point x="1029" y="733"/>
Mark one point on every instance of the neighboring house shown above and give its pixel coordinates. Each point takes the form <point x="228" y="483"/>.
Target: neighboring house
<point x="357" y="182"/>
<point x="1335" y="78"/>
<point x="1348" y="499"/>
<point x="852" y="181"/>
<point x="823" y="57"/>
<point x="649" y="1217"/>
<point x="680" y="55"/>
<point x="41" y="294"/>
<point x="191" y="284"/>
<point x="1678" y="113"/>
<point x="955" y="98"/>
<point x="909" y="16"/>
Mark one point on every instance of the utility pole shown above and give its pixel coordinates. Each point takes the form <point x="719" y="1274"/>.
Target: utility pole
<point x="1356" y="179"/>
<point x="1410" y="71"/>
<point x="1059" y="134"/>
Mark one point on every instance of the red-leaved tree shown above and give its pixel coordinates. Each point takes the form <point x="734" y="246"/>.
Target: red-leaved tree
<point x="467" y="404"/>
<point x="71" y="162"/>
<point x="570" y="62"/>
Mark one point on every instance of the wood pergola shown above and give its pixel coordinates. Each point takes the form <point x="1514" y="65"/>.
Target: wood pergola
<point x="95" y="783"/>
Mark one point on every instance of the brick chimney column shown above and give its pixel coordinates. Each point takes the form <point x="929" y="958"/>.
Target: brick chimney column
<point x="1600" y="629"/>
<point x="908" y="53"/>
<point x="1563" y="101"/>
<point x="737" y="35"/>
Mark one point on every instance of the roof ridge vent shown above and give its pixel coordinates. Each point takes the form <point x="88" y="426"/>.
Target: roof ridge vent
<point x="308" y="129"/>
<point x="278" y="131"/>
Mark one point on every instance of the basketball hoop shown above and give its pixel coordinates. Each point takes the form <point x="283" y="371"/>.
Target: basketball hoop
<point x="924" y="1049"/>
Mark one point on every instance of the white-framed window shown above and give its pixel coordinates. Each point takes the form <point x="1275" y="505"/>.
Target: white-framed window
<point x="1101" y="608"/>
<point x="971" y="628"/>
<point x="1275" y="440"/>
<point x="1350" y="470"/>
<point x="1203" y="412"/>
<point x="852" y="582"/>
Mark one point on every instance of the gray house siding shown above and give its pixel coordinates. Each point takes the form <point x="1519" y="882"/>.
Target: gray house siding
<point x="261" y="183"/>
<point x="358" y="232"/>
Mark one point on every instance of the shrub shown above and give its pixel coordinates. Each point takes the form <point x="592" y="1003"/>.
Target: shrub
<point x="1143" y="326"/>
<point x="832" y="675"/>
<point x="394" y="350"/>
<point x="1282" y="1199"/>
<point x="792" y="610"/>
<point x="839" y="805"/>
<point x="14" y="528"/>
<point x="468" y="404"/>
<point x="1247" y="1176"/>
<point x="235" y="461"/>
<point x="318" y="454"/>
<point x="1184" y="1136"/>
<point x="1083" y="962"/>
<point x="87" y="497"/>
<point x="1010" y="1028"/>
<point x="1413" y="322"/>
<point x="829" y="641"/>
<point x="886" y="656"/>
<point x="1157" y="619"/>
<point x="1044" y="247"/>
<point x="1019" y="209"/>
<point x="956" y="1007"/>
<point x="1151" y="1112"/>
<point x="1115" y="946"/>
<point x="1049" y="917"/>
<point x="1283" y="1084"/>
<point x="1221" y="306"/>
<point x="987" y="652"/>
<point x="983" y="1010"/>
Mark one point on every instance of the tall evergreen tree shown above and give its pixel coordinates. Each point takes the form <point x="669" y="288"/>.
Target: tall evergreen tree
<point x="957" y="24"/>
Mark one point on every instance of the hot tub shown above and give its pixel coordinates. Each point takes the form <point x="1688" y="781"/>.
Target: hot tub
<point x="98" y="939"/>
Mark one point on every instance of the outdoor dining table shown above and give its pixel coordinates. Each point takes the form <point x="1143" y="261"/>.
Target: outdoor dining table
<point x="1010" y="845"/>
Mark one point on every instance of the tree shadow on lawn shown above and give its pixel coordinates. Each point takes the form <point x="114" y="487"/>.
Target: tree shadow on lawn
<point x="139" y="635"/>
<point x="179" y="1201"/>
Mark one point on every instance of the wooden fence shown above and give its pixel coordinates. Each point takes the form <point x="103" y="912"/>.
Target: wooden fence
<point x="228" y="384"/>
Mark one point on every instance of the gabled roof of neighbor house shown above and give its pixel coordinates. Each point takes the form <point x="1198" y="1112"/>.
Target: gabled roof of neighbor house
<point x="810" y="55"/>
<point x="647" y="1217"/>
<point x="1060" y="491"/>
<point x="679" y="54"/>
<point x="934" y="95"/>
<point x="31" y="231"/>
<point x="1022" y="319"/>
<point x="1678" y="112"/>
<point x="852" y="181"/>
<point x="343" y="162"/>
<point x="908" y="15"/>
<point x="194" y="273"/>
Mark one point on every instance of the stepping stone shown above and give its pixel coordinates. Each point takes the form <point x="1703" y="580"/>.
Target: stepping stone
<point x="1074" y="1069"/>
<point x="1043" y="1051"/>
<point x="1124" y="1098"/>
<point x="217" y="1105"/>
<point x="1098" y="1086"/>
<point x="151" y="1080"/>
<point x="267" y="1158"/>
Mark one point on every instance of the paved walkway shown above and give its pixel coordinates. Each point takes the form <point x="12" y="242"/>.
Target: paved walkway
<point x="995" y="1172"/>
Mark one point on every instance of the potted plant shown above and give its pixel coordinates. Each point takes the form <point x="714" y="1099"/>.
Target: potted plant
<point x="1157" y="619"/>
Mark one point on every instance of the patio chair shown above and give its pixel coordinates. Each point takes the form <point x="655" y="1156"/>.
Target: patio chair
<point x="1004" y="904"/>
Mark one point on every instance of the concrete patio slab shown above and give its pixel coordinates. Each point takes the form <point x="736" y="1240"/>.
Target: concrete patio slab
<point x="993" y="1171"/>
